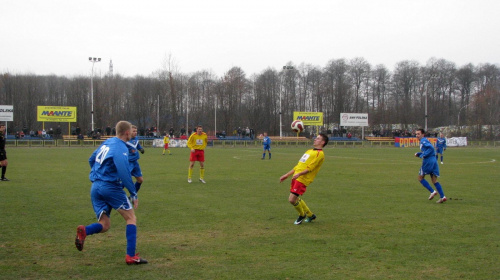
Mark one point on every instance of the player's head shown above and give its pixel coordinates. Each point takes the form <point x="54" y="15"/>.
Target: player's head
<point x="199" y="129"/>
<point x="124" y="130"/>
<point x="265" y="133"/>
<point x="420" y="133"/>
<point x="134" y="131"/>
<point x="320" y="141"/>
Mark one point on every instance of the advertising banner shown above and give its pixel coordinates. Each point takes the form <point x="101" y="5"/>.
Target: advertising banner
<point x="403" y="142"/>
<point x="309" y="118"/>
<point x="353" y="119"/>
<point x="174" y="143"/>
<point x="56" y="114"/>
<point x="456" y="142"/>
<point x="6" y="113"/>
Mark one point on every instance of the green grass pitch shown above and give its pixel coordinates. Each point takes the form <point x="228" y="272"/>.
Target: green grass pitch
<point x="374" y="219"/>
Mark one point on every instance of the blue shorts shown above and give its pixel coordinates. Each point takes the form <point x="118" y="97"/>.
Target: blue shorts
<point x="267" y="147"/>
<point x="135" y="169"/>
<point x="429" y="167"/>
<point x="439" y="150"/>
<point x="106" y="196"/>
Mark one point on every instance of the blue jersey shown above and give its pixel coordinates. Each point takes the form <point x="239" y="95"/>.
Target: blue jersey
<point x="440" y="145"/>
<point x="266" y="141"/>
<point x="110" y="163"/>
<point x="429" y="162"/>
<point x="133" y="147"/>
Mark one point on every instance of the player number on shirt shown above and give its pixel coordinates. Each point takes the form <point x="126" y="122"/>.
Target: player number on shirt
<point x="304" y="158"/>
<point x="101" y="155"/>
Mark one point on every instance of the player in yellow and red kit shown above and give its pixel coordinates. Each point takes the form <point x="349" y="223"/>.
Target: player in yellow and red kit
<point x="303" y="174"/>
<point x="197" y="142"/>
<point x="166" y="141"/>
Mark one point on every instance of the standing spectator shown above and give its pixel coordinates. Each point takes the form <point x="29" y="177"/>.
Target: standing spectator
<point x="3" y="153"/>
<point x="429" y="166"/>
<point x="183" y="131"/>
<point x="440" y="146"/>
<point x="108" y="130"/>
<point x="266" y="142"/>
<point x="58" y="132"/>
<point x="109" y="175"/>
<point x="171" y="132"/>
<point x="303" y="175"/>
<point x="197" y="142"/>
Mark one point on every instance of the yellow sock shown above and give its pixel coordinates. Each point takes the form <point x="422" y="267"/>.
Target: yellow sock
<point x="202" y="173"/>
<point x="305" y="208"/>
<point x="168" y="151"/>
<point x="298" y="207"/>
<point x="163" y="152"/>
<point x="190" y="172"/>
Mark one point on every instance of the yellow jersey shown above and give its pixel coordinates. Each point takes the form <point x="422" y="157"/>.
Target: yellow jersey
<point x="312" y="161"/>
<point x="166" y="139"/>
<point x="197" y="142"/>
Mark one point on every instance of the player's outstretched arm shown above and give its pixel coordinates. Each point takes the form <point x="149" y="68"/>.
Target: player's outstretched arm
<point x="283" y="178"/>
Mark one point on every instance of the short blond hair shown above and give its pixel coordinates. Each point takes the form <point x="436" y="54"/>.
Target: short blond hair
<point x="122" y="127"/>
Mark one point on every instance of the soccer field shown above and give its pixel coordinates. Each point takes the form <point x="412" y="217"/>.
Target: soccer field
<point x="374" y="219"/>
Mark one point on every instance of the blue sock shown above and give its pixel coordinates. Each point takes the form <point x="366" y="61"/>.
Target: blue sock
<point x="439" y="189"/>
<point x="264" y="155"/>
<point x="441" y="158"/>
<point x="93" y="228"/>
<point x="427" y="185"/>
<point x="131" y="233"/>
<point x="269" y="155"/>
<point x="137" y="186"/>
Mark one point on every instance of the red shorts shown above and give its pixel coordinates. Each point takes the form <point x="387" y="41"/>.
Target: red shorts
<point x="297" y="187"/>
<point x="165" y="146"/>
<point x="198" y="155"/>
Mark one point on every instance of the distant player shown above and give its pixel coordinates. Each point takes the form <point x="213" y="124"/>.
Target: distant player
<point x="109" y="174"/>
<point x="440" y="146"/>
<point x="134" y="147"/>
<point x="303" y="175"/>
<point x="429" y="166"/>
<point x="266" y="142"/>
<point x="197" y="142"/>
<point x="3" y="153"/>
<point x="166" y="141"/>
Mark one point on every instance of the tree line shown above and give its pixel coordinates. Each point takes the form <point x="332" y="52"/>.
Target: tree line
<point x="456" y="96"/>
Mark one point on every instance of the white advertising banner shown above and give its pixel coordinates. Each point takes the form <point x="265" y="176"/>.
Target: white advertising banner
<point x="6" y="113"/>
<point x="456" y="142"/>
<point x="353" y="119"/>
<point x="174" y="143"/>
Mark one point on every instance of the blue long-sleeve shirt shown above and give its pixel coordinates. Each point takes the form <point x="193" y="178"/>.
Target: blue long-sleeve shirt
<point x="110" y="163"/>
<point x="133" y="147"/>
<point x="441" y="143"/>
<point x="426" y="148"/>
<point x="266" y="141"/>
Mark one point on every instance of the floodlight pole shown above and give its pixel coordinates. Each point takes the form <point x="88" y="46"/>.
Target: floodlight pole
<point x="93" y="60"/>
<point x="286" y="67"/>
<point x="459" y="111"/>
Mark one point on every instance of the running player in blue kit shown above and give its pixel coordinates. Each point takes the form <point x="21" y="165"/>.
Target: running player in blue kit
<point x="429" y="166"/>
<point x="109" y="175"/>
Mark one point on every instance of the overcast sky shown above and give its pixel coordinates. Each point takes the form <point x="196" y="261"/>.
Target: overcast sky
<point x="57" y="36"/>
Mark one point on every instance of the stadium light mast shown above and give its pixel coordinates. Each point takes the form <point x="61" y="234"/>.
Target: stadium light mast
<point x="286" y="67"/>
<point x="459" y="111"/>
<point x="93" y="60"/>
